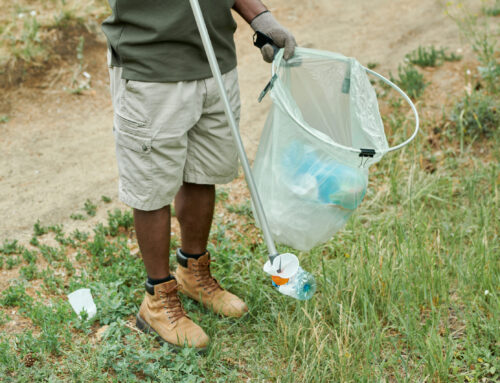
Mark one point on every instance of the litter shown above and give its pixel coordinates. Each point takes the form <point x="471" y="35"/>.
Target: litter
<point x="81" y="300"/>
<point x="323" y="132"/>
<point x="289" y="278"/>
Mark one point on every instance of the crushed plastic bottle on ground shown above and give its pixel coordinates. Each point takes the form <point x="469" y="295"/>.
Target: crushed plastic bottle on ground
<point x="301" y="286"/>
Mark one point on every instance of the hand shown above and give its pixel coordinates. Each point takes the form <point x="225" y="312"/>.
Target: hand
<point x="267" y="24"/>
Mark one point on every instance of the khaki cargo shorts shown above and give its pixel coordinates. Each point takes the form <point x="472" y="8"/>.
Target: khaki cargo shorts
<point x="167" y="133"/>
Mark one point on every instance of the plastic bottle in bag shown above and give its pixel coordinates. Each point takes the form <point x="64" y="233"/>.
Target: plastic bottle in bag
<point x="324" y="181"/>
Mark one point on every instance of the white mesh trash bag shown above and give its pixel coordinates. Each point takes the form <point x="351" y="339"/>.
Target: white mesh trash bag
<point x="323" y="132"/>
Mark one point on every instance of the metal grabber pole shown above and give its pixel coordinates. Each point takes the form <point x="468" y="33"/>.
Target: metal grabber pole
<point x="214" y="66"/>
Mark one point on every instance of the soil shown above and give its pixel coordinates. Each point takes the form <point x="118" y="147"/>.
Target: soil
<point x="57" y="148"/>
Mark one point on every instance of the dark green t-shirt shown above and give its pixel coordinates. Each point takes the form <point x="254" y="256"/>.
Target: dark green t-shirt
<point x="158" y="41"/>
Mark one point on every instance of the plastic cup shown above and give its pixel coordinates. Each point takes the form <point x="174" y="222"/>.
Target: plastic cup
<point x="81" y="300"/>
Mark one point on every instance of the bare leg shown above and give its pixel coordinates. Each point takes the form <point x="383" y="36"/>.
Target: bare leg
<point x="194" y="207"/>
<point x="153" y="235"/>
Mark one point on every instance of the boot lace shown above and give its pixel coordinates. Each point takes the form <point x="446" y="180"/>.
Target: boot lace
<point x="201" y="270"/>
<point x="172" y="304"/>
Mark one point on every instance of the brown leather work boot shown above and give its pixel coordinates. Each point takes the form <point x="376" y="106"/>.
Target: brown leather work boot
<point x="197" y="283"/>
<point x="161" y="313"/>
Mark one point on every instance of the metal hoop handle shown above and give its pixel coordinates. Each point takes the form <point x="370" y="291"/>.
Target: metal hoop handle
<point x="276" y="64"/>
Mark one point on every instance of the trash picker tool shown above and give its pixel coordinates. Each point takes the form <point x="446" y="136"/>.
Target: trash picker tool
<point x="282" y="267"/>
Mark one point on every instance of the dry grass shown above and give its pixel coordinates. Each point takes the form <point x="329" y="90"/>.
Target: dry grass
<point x="35" y="34"/>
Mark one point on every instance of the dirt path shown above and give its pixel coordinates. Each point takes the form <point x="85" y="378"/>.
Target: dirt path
<point x="57" y="149"/>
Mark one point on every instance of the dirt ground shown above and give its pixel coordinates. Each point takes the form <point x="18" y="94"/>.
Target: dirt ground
<point x="57" y="149"/>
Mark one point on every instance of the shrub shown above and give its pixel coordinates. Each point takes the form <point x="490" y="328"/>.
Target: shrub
<point x="430" y="56"/>
<point x="15" y="295"/>
<point x="476" y="114"/>
<point x="9" y="247"/>
<point x="410" y="80"/>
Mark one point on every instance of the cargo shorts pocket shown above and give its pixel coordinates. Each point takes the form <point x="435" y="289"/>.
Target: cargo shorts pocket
<point x="133" y="152"/>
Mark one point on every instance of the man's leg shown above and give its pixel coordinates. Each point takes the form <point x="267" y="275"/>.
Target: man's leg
<point x="153" y="235"/>
<point x="161" y="310"/>
<point x="211" y="159"/>
<point x="194" y="208"/>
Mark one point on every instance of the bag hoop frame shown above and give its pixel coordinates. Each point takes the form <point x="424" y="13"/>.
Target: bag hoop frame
<point x="277" y="62"/>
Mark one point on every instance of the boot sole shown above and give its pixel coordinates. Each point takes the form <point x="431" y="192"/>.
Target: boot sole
<point x="142" y="325"/>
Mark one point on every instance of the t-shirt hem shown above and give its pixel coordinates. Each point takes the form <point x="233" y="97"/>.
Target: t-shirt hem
<point x="130" y="74"/>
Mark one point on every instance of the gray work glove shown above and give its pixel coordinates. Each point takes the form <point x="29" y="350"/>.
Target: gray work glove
<point x="267" y="24"/>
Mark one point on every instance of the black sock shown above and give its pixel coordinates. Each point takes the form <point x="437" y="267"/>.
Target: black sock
<point x="195" y="256"/>
<point x="158" y="281"/>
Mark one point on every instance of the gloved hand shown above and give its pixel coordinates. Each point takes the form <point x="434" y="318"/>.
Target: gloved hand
<point x="267" y="24"/>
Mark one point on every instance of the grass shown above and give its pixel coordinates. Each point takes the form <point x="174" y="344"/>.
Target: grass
<point x="410" y="80"/>
<point x="483" y="35"/>
<point x="492" y="9"/>
<point x="33" y="32"/>
<point x="408" y="291"/>
<point x="477" y="113"/>
<point x="430" y="56"/>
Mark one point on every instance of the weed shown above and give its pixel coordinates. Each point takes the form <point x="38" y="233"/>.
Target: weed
<point x="430" y="56"/>
<point x="80" y="236"/>
<point x="244" y="209"/>
<point x="29" y="46"/>
<point x="4" y="119"/>
<point x="39" y="230"/>
<point x="372" y="65"/>
<point x="106" y="199"/>
<point x="56" y="229"/>
<point x="410" y="80"/>
<point x="90" y="208"/>
<point x="484" y="41"/>
<point x="52" y="284"/>
<point x="15" y="295"/>
<point x="52" y="320"/>
<point x="423" y="56"/>
<point x="476" y="114"/>
<point x="51" y="254"/>
<point x="29" y="272"/>
<point x="221" y="195"/>
<point x="34" y="241"/>
<point x="117" y="219"/>
<point x="10" y="247"/>
<point x="78" y="217"/>
<point x="12" y="261"/>
<point x="70" y="269"/>
<point x="81" y="79"/>
<point x="29" y="256"/>
<point x="4" y="318"/>
<point x="112" y="301"/>
<point x="493" y="9"/>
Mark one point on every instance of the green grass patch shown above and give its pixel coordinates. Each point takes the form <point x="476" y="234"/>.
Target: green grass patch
<point x="477" y="114"/>
<point x="408" y="291"/>
<point x="430" y="56"/>
<point x="492" y="9"/>
<point x="410" y="80"/>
